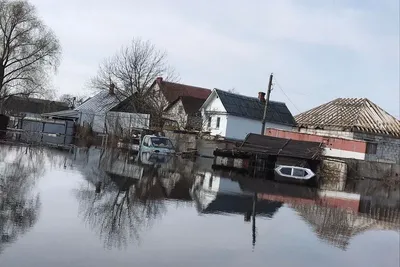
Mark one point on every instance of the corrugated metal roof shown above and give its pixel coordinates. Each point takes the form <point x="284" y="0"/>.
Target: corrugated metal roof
<point x="281" y="146"/>
<point x="101" y="102"/>
<point x="64" y="113"/>
<point x="352" y="114"/>
<point x="253" y="108"/>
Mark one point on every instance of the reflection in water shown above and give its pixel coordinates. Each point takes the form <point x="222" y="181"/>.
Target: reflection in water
<point x="121" y="198"/>
<point x="19" y="205"/>
<point x="335" y="217"/>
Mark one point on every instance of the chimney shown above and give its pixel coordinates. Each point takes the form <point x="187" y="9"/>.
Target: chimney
<point x="159" y="79"/>
<point x="111" y="89"/>
<point x="261" y="96"/>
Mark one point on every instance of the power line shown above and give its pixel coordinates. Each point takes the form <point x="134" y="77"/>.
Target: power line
<point x="280" y="87"/>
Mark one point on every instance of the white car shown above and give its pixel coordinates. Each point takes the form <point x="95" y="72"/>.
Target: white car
<point x="156" y="144"/>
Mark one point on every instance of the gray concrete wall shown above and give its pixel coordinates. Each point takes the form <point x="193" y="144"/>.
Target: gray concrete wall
<point x="333" y="175"/>
<point x="182" y="141"/>
<point x="388" y="148"/>
<point x="207" y="147"/>
<point x="368" y="169"/>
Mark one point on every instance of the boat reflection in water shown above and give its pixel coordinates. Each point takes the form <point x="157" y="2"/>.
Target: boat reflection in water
<point x="334" y="216"/>
<point x="126" y="194"/>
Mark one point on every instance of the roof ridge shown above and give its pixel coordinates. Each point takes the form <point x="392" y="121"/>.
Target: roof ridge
<point x="199" y="87"/>
<point x="250" y="97"/>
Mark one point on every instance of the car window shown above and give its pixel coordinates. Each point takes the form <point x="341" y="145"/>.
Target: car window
<point x="160" y="142"/>
<point x="145" y="141"/>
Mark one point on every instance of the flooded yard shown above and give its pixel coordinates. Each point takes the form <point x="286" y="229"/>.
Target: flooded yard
<point x="92" y="207"/>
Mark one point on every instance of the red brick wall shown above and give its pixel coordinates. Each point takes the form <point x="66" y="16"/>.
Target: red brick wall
<point x="330" y="142"/>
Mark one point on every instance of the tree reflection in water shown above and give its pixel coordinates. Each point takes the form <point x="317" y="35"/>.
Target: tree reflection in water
<point x="19" y="205"/>
<point x="117" y="206"/>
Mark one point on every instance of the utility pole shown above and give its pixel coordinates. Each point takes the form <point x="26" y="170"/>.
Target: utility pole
<point x="266" y="103"/>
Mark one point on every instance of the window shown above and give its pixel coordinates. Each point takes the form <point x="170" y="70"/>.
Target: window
<point x="160" y="142"/>
<point x="218" y="122"/>
<point x="299" y="173"/>
<point x="371" y="148"/>
<point x="286" y="171"/>
<point x="209" y="122"/>
<point x="146" y="141"/>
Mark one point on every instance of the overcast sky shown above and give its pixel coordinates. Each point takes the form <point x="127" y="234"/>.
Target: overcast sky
<point x="317" y="50"/>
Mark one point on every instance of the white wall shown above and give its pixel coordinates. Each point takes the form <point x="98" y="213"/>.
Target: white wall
<point x="215" y="183"/>
<point x="239" y="128"/>
<point x="215" y="104"/>
<point x="221" y="130"/>
<point x="96" y="121"/>
<point x="332" y="152"/>
<point x="214" y="109"/>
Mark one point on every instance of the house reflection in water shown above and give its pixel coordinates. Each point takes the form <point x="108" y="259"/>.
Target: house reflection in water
<point x="335" y="217"/>
<point x="123" y="197"/>
<point x="214" y="194"/>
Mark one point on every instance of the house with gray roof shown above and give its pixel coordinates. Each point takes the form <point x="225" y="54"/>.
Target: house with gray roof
<point x="234" y="116"/>
<point x="103" y="111"/>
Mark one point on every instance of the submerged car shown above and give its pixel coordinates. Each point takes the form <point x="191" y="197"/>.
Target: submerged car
<point x="156" y="144"/>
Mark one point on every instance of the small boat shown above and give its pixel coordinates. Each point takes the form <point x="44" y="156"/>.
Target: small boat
<point x="294" y="174"/>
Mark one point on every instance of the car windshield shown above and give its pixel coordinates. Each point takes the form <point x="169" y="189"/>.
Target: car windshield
<point x="161" y="142"/>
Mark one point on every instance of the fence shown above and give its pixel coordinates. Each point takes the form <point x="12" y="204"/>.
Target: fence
<point x="115" y="123"/>
<point x="45" y="131"/>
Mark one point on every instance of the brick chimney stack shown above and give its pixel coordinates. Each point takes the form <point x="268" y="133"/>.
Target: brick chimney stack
<point x="159" y="79"/>
<point x="261" y="96"/>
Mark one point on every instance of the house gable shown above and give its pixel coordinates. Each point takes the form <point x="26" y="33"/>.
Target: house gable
<point x="213" y="104"/>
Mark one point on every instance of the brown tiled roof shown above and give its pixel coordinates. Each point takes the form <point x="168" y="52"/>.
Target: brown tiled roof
<point x="351" y="114"/>
<point x="173" y="91"/>
<point x="191" y="104"/>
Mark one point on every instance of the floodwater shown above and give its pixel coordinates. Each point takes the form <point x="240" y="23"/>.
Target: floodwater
<point x="102" y="208"/>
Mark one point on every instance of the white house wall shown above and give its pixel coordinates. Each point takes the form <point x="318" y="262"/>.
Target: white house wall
<point x="218" y="184"/>
<point x="339" y="153"/>
<point x="215" y="105"/>
<point x="214" y="109"/>
<point x="239" y="128"/>
<point x="221" y="130"/>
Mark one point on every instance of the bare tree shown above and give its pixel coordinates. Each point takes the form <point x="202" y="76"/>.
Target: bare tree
<point x="72" y="101"/>
<point x="28" y="50"/>
<point x="132" y="70"/>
